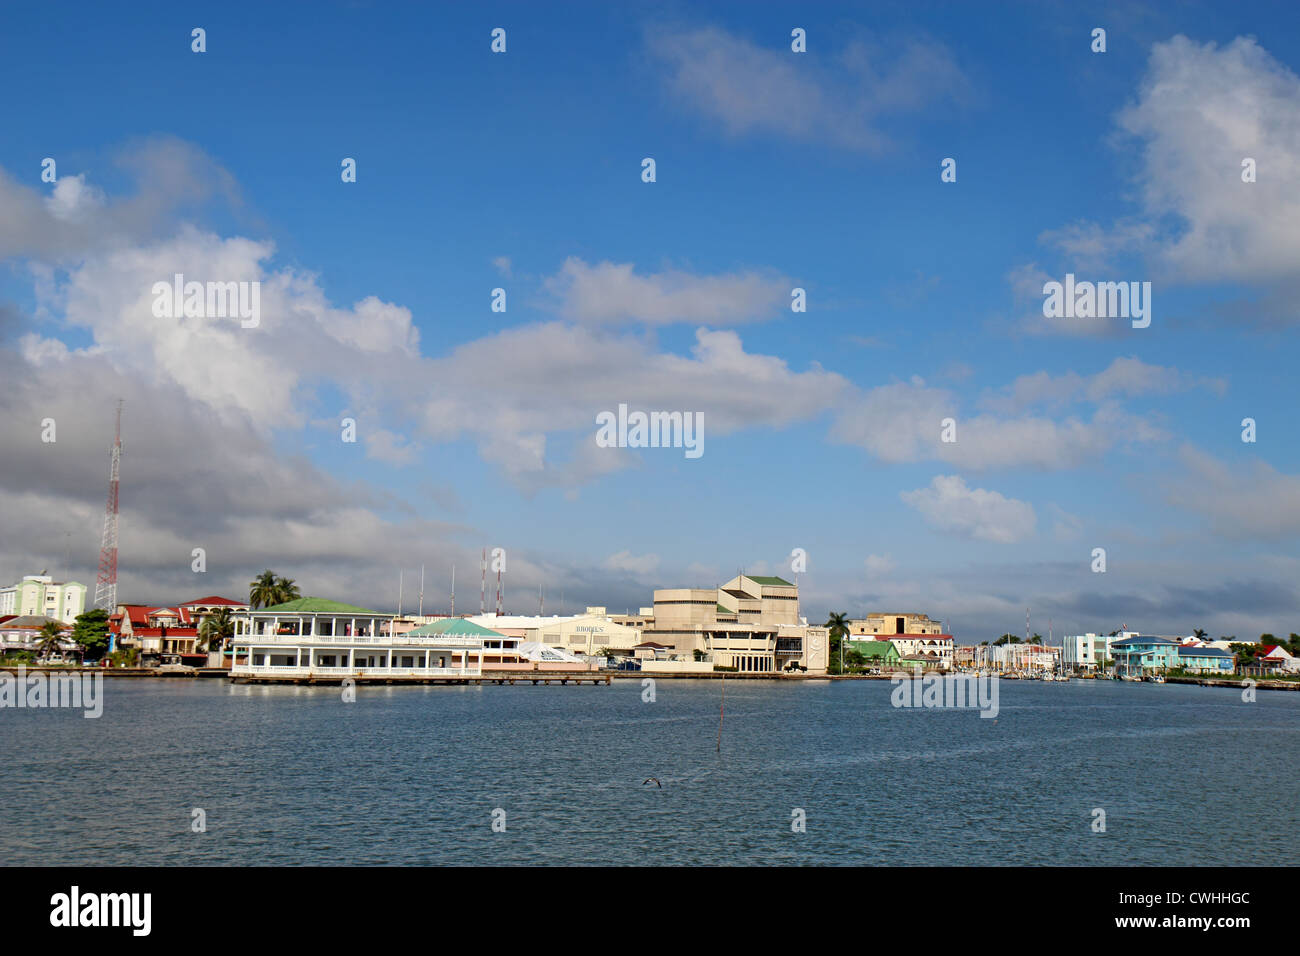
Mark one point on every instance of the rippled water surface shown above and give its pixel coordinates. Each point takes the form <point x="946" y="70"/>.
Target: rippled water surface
<point x="411" y="775"/>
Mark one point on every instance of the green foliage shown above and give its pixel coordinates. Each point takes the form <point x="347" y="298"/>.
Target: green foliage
<point x="216" y="628"/>
<point x="270" y="589"/>
<point x="90" y="630"/>
<point x="1007" y="639"/>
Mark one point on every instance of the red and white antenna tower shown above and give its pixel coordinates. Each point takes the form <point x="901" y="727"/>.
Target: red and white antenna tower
<point x="498" y="590"/>
<point x="106" y="582"/>
<point x="482" y="590"/>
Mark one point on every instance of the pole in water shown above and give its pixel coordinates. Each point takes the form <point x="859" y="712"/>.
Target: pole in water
<point x="722" y="709"/>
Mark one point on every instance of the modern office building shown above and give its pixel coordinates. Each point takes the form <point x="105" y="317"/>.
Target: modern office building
<point x="40" y="594"/>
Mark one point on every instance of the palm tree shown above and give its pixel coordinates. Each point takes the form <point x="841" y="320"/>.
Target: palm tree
<point x="51" y="635"/>
<point x="839" y="625"/>
<point x="262" y="593"/>
<point x="286" y="590"/>
<point x="216" y="628"/>
<point x="1198" y="634"/>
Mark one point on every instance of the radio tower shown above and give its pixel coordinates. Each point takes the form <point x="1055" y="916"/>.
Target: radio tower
<point x="482" y="590"/>
<point x="498" y="590"/>
<point x="106" y="582"/>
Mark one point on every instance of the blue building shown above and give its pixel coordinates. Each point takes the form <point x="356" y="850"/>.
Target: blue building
<point x="1206" y="660"/>
<point x="1141" y="654"/>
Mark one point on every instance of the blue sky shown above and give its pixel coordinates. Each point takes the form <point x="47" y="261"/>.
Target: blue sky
<point x="775" y="169"/>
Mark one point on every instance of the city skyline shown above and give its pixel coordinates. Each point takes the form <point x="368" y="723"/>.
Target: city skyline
<point x="774" y="171"/>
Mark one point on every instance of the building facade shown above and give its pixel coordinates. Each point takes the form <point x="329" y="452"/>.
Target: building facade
<point x="40" y="594"/>
<point x="887" y="626"/>
<point x="751" y="623"/>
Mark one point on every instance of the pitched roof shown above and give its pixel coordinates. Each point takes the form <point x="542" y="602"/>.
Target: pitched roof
<point x="1203" y="652"/>
<point x="215" y="600"/>
<point x="35" y="621"/>
<point x="453" y="625"/>
<point x="315" y="605"/>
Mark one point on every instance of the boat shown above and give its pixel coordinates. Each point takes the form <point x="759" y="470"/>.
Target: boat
<point x="1158" y="679"/>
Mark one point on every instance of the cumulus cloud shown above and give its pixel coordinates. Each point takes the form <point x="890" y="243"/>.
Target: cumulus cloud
<point x="949" y="505"/>
<point x="609" y="292"/>
<point x="841" y="98"/>
<point x="1199" y="111"/>
<point x="902" y="422"/>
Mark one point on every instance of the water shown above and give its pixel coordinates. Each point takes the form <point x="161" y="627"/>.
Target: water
<point x="411" y="775"/>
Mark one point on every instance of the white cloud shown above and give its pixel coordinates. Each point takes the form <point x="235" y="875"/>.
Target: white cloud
<point x="1200" y="110"/>
<point x="609" y="292"/>
<point x="836" y="98"/>
<point x="949" y="505"/>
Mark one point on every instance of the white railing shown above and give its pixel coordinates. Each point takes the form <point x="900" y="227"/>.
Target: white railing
<point x="400" y="640"/>
<point x="264" y="670"/>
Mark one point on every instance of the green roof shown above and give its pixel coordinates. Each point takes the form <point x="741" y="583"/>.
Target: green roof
<point x="314" y="605"/>
<point x="454" y="625"/>
<point x="883" y="649"/>
<point x="770" y="582"/>
<point x="725" y="610"/>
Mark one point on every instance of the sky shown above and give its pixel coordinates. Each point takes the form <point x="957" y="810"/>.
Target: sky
<point x="774" y="170"/>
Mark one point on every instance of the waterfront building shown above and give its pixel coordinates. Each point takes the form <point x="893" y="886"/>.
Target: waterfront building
<point x="40" y="594"/>
<point x="877" y="653"/>
<point x="894" y="624"/>
<point x="750" y="623"/>
<point x="155" y="632"/>
<point x="22" y="632"/>
<point x="1087" y="652"/>
<point x="937" y="649"/>
<point x="588" y="634"/>
<point x="1279" y="658"/>
<point x="1140" y="654"/>
<point x="317" y="638"/>
<point x="201" y="607"/>
<point x="1206" y="660"/>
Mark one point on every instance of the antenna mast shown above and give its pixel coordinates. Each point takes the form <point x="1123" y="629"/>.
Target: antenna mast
<point x="106" y="580"/>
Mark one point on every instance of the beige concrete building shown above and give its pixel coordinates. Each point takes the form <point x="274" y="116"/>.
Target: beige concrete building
<point x="751" y="623"/>
<point x="589" y="633"/>
<point x="888" y="625"/>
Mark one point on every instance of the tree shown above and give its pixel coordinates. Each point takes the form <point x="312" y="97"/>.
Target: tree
<point x="1199" y="634"/>
<point x="1036" y="639"/>
<point x="216" y="628"/>
<point x="262" y="593"/>
<point x="50" y="636"/>
<point x="285" y="590"/>
<point x="839" y="627"/>
<point x="1007" y="639"/>
<point x="90" y="630"/>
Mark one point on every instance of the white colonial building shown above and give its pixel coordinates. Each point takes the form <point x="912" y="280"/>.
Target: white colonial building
<point x="312" y="638"/>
